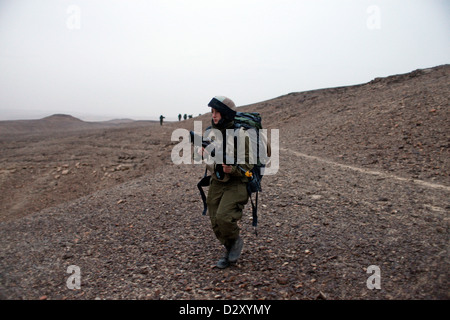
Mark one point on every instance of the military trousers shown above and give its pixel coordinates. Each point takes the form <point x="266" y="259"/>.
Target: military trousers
<point x="225" y="202"/>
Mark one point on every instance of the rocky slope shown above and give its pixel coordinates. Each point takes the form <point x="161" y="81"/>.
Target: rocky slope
<point x="363" y="180"/>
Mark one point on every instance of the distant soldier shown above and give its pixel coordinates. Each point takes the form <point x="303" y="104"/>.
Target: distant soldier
<point x="161" y="118"/>
<point x="185" y="116"/>
<point x="179" y="117"/>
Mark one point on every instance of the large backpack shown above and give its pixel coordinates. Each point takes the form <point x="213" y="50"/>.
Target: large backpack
<point x="252" y="120"/>
<point x="245" y="120"/>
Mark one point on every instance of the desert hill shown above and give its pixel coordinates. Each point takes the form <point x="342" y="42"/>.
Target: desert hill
<point x="398" y="123"/>
<point x="56" y="122"/>
<point x="363" y="180"/>
<point x="59" y="123"/>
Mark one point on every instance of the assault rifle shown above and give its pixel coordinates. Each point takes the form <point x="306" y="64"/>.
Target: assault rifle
<point x="219" y="169"/>
<point x="205" y="142"/>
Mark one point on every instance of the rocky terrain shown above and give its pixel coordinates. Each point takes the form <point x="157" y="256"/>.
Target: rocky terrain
<point x="363" y="181"/>
<point x="65" y="158"/>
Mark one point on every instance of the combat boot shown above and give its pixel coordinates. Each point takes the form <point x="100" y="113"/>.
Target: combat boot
<point x="235" y="251"/>
<point x="223" y="262"/>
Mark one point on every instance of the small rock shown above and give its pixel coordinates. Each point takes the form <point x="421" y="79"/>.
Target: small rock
<point x="321" y="296"/>
<point x="282" y="280"/>
<point x="67" y="256"/>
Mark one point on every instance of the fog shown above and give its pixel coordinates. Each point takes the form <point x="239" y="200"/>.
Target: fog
<point x="104" y="59"/>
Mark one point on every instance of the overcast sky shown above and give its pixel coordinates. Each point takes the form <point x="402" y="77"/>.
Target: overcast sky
<point x="104" y="59"/>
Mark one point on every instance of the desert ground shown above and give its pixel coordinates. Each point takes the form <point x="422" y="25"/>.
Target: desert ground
<point x="364" y="180"/>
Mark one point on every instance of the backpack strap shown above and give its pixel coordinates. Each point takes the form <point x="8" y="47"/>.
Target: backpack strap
<point x="254" y="209"/>
<point x="204" y="182"/>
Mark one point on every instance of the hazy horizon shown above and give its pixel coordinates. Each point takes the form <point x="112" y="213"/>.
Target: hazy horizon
<point x="40" y="114"/>
<point x="103" y="60"/>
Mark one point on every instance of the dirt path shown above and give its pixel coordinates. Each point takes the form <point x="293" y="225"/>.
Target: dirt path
<point x="369" y="171"/>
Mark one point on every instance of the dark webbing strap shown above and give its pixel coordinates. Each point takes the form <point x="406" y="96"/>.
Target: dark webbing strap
<point x="206" y="180"/>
